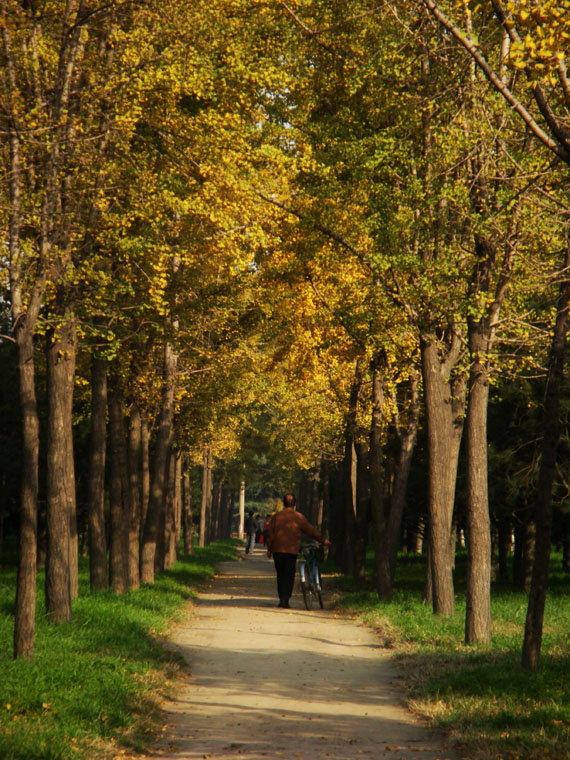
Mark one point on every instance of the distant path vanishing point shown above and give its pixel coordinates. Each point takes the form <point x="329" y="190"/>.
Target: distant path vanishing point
<point x="272" y="683"/>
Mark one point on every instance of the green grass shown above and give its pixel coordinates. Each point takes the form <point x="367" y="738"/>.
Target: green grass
<point x="479" y="692"/>
<point x="93" y="686"/>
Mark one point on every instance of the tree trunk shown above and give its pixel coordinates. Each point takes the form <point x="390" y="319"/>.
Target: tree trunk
<point x="349" y="477"/>
<point x="444" y="422"/>
<point x="428" y="584"/>
<point x="118" y="493"/>
<point x="478" y="596"/>
<point x="170" y="514"/>
<point x="349" y="472"/>
<point x="72" y="505"/>
<point x="381" y="558"/>
<point x="362" y="511"/>
<point x="187" y="508"/>
<point x="145" y="469"/>
<point x="204" y="500"/>
<point x="96" y="485"/>
<point x="209" y="500"/>
<point x="60" y="373"/>
<point x="164" y="525"/>
<point x="177" y="504"/>
<point x="528" y="548"/>
<point x="326" y="498"/>
<point x="539" y="582"/>
<point x="163" y="442"/>
<point x="26" y="593"/>
<point x="24" y="308"/>
<point x="134" y="467"/>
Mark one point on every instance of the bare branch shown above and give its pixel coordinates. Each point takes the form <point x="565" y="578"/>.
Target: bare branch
<point x="559" y="149"/>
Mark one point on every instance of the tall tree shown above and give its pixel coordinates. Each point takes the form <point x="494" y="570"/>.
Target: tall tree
<point x="543" y="58"/>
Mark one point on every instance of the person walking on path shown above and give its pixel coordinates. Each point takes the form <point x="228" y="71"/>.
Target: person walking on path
<point x="250" y="529"/>
<point x="285" y="532"/>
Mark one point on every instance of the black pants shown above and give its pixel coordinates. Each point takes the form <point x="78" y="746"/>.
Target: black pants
<point x="285" y="565"/>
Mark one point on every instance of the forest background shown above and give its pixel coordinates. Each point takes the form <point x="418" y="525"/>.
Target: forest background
<point x="309" y="245"/>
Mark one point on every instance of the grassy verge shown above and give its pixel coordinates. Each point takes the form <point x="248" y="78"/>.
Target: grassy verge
<point x="479" y="693"/>
<point x="92" y="688"/>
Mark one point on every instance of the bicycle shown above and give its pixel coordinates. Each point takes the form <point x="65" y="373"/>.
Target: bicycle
<point x="310" y="576"/>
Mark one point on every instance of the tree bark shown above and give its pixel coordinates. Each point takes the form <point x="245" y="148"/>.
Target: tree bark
<point x="96" y="486"/>
<point x="349" y="472"/>
<point x="203" y="501"/>
<point x="134" y="468"/>
<point x="478" y="597"/>
<point x="24" y="316"/>
<point x="381" y="558"/>
<point x="187" y="507"/>
<point x="61" y="353"/>
<point x="444" y="403"/>
<point x="206" y="500"/>
<point x="349" y="477"/>
<point x="326" y="497"/>
<point x="118" y="493"/>
<point x="209" y="500"/>
<point x="26" y="591"/>
<point x="170" y="513"/>
<point x="362" y="511"/>
<point x="539" y="583"/>
<point x="72" y="502"/>
<point x="145" y="468"/>
<point x="177" y="503"/>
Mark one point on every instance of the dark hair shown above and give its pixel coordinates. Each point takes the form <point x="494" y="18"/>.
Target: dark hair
<point x="289" y="500"/>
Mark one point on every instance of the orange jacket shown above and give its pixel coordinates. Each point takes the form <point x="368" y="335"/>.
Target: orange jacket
<point x="286" y="529"/>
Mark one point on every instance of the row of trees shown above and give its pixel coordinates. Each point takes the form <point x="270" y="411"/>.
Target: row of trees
<point x="329" y="232"/>
<point x="446" y="202"/>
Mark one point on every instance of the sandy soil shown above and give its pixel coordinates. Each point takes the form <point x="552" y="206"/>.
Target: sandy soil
<point x="268" y="682"/>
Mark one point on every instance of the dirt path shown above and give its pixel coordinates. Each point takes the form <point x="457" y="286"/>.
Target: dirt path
<point x="267" y="682"/>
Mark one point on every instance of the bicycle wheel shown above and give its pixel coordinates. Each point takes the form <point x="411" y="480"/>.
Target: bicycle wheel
<point x="307" y="595"/>
<point x="305" y="584"/>
<point x="318" y="587"/>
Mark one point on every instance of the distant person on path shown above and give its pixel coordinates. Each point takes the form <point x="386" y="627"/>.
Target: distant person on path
<point x="250" y="529"/>
<point x="285" y="532"/>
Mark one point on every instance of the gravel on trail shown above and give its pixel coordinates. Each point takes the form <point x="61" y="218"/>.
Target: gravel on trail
<point x="266" y="682"/>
